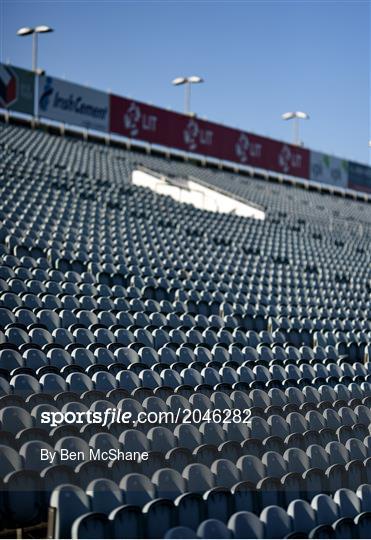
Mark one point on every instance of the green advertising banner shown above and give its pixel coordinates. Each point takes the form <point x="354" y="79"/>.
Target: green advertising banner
<point x="17" y="89"/>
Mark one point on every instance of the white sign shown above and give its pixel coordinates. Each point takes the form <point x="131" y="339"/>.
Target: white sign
<point x="73" y="104"/>
<point x="328" y="169"/>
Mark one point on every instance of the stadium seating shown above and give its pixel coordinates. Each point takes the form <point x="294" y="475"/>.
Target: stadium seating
<point x="114" y="296"/>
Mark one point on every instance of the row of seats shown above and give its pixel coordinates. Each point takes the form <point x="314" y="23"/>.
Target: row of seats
<point x="101" y="512"/>
<point x="188" y="367"/>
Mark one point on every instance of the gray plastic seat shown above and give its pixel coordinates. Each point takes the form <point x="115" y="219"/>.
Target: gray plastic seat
<point x="274" y="464"/>
<point x="72" y="450"/>
<point x="188" y="436"/>
<point x="171" y="378"/>
<point x="356" y="449"/>
<point x="326" y="510"/>
<point x="198" y="477"/>
<point x="134" y="441"/>
<point x="348" y="503"/>
<point x="150" y="379"/>
<point x="137" y="489"/>
<point x="245" y="525"/>
<point x="364" y="495"/>
<point x="169" y="483"/>
<point x="212" y="433"/>
<point x="105" y="495"/>
<point x="104" y="442"/>
<point x="191" y="377"/>
<point x="10" y="359"/>
<point x="210" y="376"/>
<point x="70" y="502"/>
<point x="180" y="532"/>
<point x="318" y="457"/>
<point x="25" y="385"/>
<point x="297" y="460"/>
<point x="104" y="382"/>
<point x="200" y="402"/>
<point x="259" y="428"/>
<point x="278" y="426"/>
<point x="10" y="460"/>
<point x="79" y="383"/>
<point x="14" y="419"/>
<point x="91" y="525"/>
<point x="252" y="469"/>
<point x="128" y="380"/>
<point x="337" y="453"/>
<point x="302" y="515"/>
<point x="277" y="524"/>
<point x="212" y="528"/>
<point x="53" y="383"/>
<point x="225" y="472"/>
<point x="31" y="453"/>
<point x="161" y="439"/>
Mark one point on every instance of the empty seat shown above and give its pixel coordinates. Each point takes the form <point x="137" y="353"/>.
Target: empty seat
<point x="137" y="489"/>
<point x="225" y="473"/>
<point x="245" y="525"/>
<point x="302" y="515"/>
<point x="105" y="495"/>
<point x="277" y="523"/>
<point x="14" y="419"/>
<point x="212" y="528"/>
<point x="169" y="483"/>
<point x="198" y="477"/>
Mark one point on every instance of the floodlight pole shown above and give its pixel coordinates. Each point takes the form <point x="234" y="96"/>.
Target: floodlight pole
<point x="187" y="97"/>
<point x="295" y="117"/>
<point x="187" y="82"/>
<point x="34" y="51"/>
<point x="296" y="131"/>
<point x="27" y="31"/>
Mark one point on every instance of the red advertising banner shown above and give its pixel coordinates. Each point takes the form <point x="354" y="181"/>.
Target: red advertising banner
<point x="154" y="125"/>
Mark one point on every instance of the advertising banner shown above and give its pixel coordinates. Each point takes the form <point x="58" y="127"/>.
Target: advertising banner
<point x="74" y="104"/>
<point x="154" y="125"/>
<point x="249" y="149"/>
<point x="17" y="89"/>
<point x="359" y="177"/>
<point x="328" y="169"/>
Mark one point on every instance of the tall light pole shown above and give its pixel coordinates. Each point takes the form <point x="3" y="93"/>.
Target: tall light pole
<point x="296" y="116"/>
<point x="27" y="31"/>
<point x="34" y="32"/>
<point x="187" y="81"/>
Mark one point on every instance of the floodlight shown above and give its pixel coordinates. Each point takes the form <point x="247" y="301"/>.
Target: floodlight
<point x="296" y="116"/>
<point x="25" y="31"/>
<point x="43" y="29"/>
<point x="187" y="81"/>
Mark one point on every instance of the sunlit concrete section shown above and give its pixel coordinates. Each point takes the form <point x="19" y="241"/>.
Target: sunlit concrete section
<point x="190" y="190"/>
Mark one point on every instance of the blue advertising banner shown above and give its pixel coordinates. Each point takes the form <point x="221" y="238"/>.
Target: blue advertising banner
<point x="359" y="177"/>
<point x="73" y="104"/>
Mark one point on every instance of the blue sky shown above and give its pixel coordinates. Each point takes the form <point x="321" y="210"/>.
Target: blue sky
<point x="258" y="59"/>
